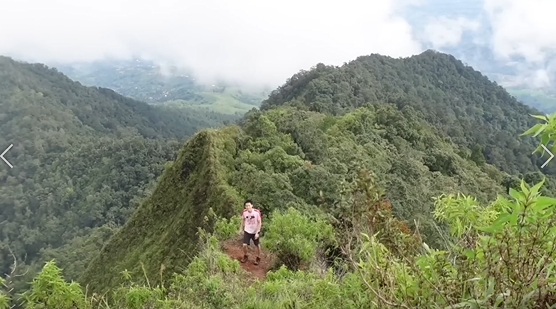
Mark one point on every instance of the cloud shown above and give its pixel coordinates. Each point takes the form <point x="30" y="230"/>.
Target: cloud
<point x="447" y="32"/>
<point x="253" y="42"/>
<point x="520" y="34"/>
<point x="522" y="28"/>
<point x="265" y="42"/>
<point x="525" y="29"/>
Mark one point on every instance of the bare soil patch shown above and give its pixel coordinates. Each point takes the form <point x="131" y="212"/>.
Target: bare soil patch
<point x="233" y="248"/>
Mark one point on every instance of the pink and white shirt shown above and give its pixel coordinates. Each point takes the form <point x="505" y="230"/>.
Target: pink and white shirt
<point x="251" y="220"/>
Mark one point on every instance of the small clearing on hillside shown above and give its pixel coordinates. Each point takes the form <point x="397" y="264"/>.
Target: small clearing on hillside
<point x="233" y="248"/>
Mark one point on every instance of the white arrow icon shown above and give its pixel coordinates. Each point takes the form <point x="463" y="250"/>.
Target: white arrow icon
<point x="2" y="156"/>
<point x="551" y="156"/>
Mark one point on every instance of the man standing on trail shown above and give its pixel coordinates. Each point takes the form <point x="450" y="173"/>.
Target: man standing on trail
<point x="251" y="227"/>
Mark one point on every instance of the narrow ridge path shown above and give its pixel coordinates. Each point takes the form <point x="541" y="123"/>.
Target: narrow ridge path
<point x="233" y="248"/>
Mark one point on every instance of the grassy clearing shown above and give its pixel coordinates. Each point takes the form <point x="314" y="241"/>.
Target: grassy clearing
<point x="222" y="103"/>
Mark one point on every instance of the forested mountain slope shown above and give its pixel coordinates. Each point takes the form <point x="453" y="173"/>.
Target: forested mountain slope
<point x="33" y="91"/>
<point x="314" y="136"/>
<point x="451" y="96"/>
<point x="82" y="157"/>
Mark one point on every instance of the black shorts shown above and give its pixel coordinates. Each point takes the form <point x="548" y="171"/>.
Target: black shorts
<point x="247" y="238"/>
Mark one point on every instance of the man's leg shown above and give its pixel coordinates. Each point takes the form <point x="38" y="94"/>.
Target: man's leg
<point x="246" y="239"/>
<point x="245" y="251"/>
<point x="258" y="246"/>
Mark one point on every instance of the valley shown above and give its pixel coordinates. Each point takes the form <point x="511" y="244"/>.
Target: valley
<point x="155" y="84"/>
<point x="543" y="99"/>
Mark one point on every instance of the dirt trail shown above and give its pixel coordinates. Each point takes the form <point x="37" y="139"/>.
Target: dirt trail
<point x="234" y="249"/>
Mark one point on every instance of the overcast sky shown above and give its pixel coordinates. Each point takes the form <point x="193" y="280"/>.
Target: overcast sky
<point x="255" y="41"/>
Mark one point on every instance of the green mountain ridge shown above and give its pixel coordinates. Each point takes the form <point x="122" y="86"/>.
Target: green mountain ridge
<point x="314" y="134"/>
<point x="191" y="184"/>
<point x="36" y="82"/>
<point x="454" y="98"/>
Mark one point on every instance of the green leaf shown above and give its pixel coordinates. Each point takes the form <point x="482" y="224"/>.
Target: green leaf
<point x="541" y="117"/>
<point x="512" y="218"/>
<point x="553" y="148"/>
<point x="534" y="129"/>
<point x="497" y="224"/>
<point x="552" y="116"/>
<point x="540" y="130"/>
<point x="524" y="187"/>
<point x="516" y="194"/>
<point x="545" y="201"/>
<point x="535" y="189"/>
<point x="487" y="229"/>
<point x="544" y="140"/>
<point x="502" y="218"/>
<point x="469" y="253"/>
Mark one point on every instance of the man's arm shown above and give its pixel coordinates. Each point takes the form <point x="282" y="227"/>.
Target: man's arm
<point x="259" y="224"/>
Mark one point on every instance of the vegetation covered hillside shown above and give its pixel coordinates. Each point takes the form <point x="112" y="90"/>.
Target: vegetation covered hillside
<point x="454" y="98"/>
<point x="82" y="156"/>
<point x="305" y="154"/>
<point x="164" y="228"/>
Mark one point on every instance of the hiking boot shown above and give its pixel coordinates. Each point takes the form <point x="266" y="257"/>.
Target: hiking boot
<point x="257" y="260"/>
<point x="244" y="259"/>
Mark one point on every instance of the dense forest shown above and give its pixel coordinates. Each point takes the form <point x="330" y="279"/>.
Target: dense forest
<point x="456" y="99"/>
<point x="83" y="157"/>
<point x="384" y="183"/>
